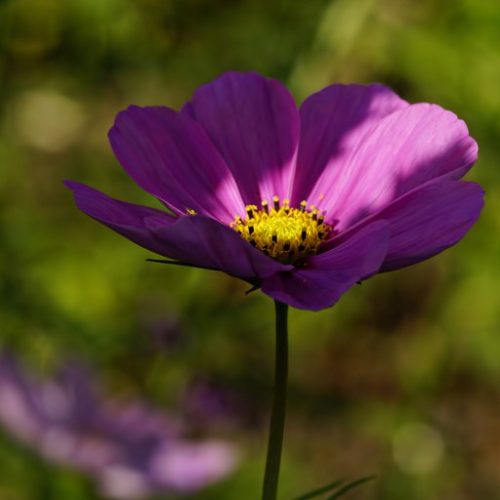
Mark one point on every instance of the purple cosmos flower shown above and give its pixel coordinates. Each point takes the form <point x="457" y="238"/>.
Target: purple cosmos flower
<point x="129" y="449"/>
<point x="302" y="203"/>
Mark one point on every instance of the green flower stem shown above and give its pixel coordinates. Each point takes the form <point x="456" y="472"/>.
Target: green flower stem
<point x="277" y="425"/>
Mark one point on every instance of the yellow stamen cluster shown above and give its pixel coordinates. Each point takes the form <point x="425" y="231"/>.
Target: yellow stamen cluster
<point x="284" y="233"/>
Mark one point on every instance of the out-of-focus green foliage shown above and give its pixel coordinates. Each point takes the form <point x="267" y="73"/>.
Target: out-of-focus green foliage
<point x="400" y="379"/>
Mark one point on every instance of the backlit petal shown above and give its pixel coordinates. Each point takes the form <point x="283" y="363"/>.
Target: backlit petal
<point x="405" y="150"/>
<point x="254" y="123"/>
<point x="334" y="121"/>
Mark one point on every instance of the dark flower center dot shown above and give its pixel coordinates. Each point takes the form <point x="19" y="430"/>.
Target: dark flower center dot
<point x="285" y="234"/>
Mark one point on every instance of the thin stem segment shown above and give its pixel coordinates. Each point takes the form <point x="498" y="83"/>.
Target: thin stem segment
<point x="277" y="425"/>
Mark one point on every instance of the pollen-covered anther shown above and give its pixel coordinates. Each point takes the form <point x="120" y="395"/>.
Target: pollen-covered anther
<point x="283" y="232"/>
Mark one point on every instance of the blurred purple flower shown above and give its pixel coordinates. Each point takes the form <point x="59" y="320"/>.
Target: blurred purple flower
<point x="130" y="450"/>
<point x="303" y="202"/>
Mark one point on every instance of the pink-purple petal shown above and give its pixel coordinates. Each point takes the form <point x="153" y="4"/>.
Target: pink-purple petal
<point x="333" y="122"/>
<point x="332" y="273"/>
<point x="204" y="242"/>
<point x="425" y="221"/>
<point x="430" y="219"/>
<point x="406" y="149"/>
<point x="254" y="123"/>
<point x="170" y="156"/>
<point x="126" y="219"/>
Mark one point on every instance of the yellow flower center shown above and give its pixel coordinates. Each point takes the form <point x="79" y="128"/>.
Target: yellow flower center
<point x="284" y="233"/>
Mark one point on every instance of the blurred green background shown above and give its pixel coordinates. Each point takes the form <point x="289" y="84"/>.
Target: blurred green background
<point x="400" y="379"/>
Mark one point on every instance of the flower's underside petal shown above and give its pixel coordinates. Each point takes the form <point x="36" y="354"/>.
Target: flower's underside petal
<point x="426" y="221"/>
<point x="204" y="242"/>
<point x="126" y="219"/>
<point x="332" y="273"/>
<point x="405" y="150"/>
<point x="333" y="122"/>
<point x="169" y="155"/>
<point x="196" y="240"/>
<point x="254" y="123"/>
